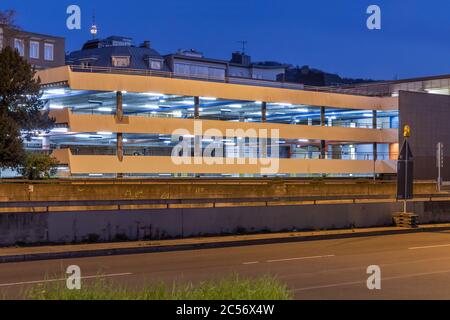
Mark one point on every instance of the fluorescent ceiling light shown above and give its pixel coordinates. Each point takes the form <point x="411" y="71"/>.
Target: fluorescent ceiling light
<point x="55" y="91"/>
<point x="284" y="104"/>
<point x="208" y="98"/>
<point x="59" y="130"/>
<point x="235" y="106"/>
<point x="104" y="133"/>
<point x="303" y="140"/>
<point x="186" y="102"/>
<point x="56" y="107"/>
<point x="104" y="109"/>
<point x="152" y="94"/>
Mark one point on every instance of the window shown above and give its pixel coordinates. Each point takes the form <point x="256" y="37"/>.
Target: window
<point x="155" y="64"/>
<point x="48" y="51"/>
<point x="121" y="61"/>
<point x="34" y="49"/>
<point x="19" y="45"/>
<point x="216" y="73"/>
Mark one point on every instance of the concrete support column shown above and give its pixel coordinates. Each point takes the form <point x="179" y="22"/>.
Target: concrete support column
<point x="196" y="108"/>
<point x="375" y="126"/>
<point x="264" y="112"/>
<point x="198" y="152"/>
<point x="120" y="146"/>
<point x="120" y="153"/>
<point x="119" y="106"/>
<point x="323" y="124"/>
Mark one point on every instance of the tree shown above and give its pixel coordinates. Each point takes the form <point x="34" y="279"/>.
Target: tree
<point x="8" y="18"/>
<point x="38" y="166"/>
<point x="11" y="148"/>
<point x="20" y="92"/>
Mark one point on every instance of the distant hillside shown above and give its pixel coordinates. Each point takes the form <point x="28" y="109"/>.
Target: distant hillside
<point x="315" y="77"/>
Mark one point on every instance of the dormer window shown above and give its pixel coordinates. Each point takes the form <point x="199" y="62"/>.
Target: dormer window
<point x="121" y="61"/>
<point x="155" y="64"/>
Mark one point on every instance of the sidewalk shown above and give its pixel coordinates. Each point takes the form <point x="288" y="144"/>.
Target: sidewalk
<point x="20" y="254"/>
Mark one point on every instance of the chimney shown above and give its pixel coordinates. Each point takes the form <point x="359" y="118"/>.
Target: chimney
<point x="146" y="44"/>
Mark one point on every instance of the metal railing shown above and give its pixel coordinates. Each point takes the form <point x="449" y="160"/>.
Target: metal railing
<point x="118" y="205"/>
<point x="168" y="74"/>
<point x="370" y="89"/>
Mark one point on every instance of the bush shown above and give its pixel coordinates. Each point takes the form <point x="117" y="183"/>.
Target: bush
<point x="38" y="166"/>
<point x="229" y="288"/>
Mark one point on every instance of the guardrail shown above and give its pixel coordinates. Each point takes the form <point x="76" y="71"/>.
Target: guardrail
<point x="118" y="205"/>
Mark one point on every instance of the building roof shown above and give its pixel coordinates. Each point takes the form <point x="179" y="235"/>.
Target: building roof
<point x="30" y="33"/>
<point x="102" y="56"/>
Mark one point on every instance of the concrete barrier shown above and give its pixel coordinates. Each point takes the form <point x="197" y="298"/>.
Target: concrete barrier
<point x="200" y="189"/>
<point x="142" y="224"/>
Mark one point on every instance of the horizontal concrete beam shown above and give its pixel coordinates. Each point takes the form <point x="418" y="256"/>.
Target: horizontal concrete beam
<point x="152" y="125"/>
<point x="94" y="164"/>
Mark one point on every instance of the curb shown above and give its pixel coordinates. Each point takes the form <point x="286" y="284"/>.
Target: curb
<point x="206" y="245"/>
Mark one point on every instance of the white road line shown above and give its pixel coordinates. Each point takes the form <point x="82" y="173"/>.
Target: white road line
<point x="344" y="284"/>
<point x="301" y="258"/>
<point x="249" y="263"/>
<point x="430" y="247"/>
<point x="63" y="279"/>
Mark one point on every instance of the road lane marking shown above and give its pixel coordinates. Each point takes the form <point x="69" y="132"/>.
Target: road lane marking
<point x="249" y="263"/>
<point x="301" y="258"/>
<point x="63" y="279"/>
<point x="344" y="284"/>
<point x="430" y="247"/>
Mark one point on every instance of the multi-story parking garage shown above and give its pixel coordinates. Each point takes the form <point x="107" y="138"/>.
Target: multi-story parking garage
<point x="118" y="122"/>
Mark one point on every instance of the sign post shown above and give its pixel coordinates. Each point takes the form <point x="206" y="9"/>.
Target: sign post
<point x="405" y="183"/>
<point x="440" y="164"/>
<point x="405" y="175"/>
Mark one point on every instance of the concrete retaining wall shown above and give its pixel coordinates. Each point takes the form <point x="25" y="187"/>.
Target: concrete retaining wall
<point x="65" y="227"/>
<point x="67" y="191"/>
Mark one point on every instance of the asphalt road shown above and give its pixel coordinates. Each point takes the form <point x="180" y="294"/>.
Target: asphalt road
<point x="413" y="266"/>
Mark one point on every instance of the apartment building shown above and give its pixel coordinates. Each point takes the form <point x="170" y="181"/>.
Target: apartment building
<point x="42" y="51"/>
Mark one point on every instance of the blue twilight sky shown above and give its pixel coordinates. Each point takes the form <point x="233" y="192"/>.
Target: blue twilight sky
<point x="327" y="34"/>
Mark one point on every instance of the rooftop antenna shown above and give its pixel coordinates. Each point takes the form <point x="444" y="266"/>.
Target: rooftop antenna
<point x="94" y="29"/>
<point x="244" y="44"/>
